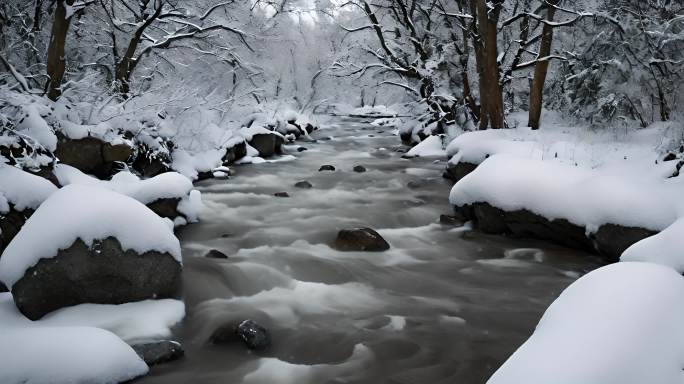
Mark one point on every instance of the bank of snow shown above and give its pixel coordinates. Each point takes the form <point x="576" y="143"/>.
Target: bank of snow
<point x="88" y="213"/>
<point x="81" y="344"/>
<point x="619" y="324"/>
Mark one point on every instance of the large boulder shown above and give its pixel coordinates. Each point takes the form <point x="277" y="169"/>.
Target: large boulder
<point x="610" y="240"/>
<point x="235" y="152"/>
<point x="457" y="171"/>
<point x="268" y="144"/>
<point x="111" y="250"/>
<point x="360" y="239"/>
<point x="92" y="155"/>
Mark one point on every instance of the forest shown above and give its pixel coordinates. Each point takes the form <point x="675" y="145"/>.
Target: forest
<point x="328" y="191"/>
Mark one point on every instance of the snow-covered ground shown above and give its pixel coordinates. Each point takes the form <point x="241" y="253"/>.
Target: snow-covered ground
<point x="618" y="324"/>
<point x="82" y="344"/>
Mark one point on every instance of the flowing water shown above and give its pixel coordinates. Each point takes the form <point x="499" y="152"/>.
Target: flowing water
<point x="443" y="305"/>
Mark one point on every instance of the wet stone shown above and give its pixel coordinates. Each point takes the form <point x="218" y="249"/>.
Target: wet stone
<point x="450" y="220"/>
<point x="302" y="149"/>
<point x="159" y="352"/>
<point x="281" y="194"/>
<point x="359" y="168"/>
<point x="303" y="184"/>
<point x="326" y="167"/>
<point x="216" y="254"/>
<point x="360" y="239"/>
<point x="253" y="335"/>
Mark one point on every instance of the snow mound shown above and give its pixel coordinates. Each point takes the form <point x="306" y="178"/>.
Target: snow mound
<point x="22" y="189"/>
<point x="430" y="147"/>
<point x="618" y="324"/>
<point x="585" y="197"/>
<point x="666" y="248"/>
<point x="81" y="344"/>
<point x="88" y="213"/>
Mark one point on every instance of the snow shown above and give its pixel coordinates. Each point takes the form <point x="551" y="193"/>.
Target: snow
<point x="572" y="145"/>
<point x="22" y="189"/>
<point x="189" y="165"/>
<point x="88" y="213"/>
<point x="37" y="353"/>
<point x="586" y="197"/>
<point x="666" y="248"/>
<point x="248" y="133"/>
<point x="430" y="147"/>
<point x="168" y="185"/>
<point x="621" y="323"/>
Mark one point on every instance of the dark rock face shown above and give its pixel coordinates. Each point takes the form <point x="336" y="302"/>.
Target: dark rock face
<point x="248" y="331"/>
<point x="254" y="335"/>
<point x="3" y="287"/>
<point x="159" y="352"/>
<point x="302" y="149"/>
<point x="150" y="163"/>
<point x="326" y="167"/>
<point x="303" y="184"/>
<point x="92" y="155"/>
<point x="450" y="220"/>
<point x="456" y="172"/>
<point x="267" y="144"/>
<point x="281" y="194"/>
<point x="10" y="224"/>
<point x="359" y="168"/>
<point x="235" y="153"/>
<point x="216" y="254"/>
<point x="167" y="207"/>
<point x="101" y="274"/>
<point x="610" y="240"/>
<point x="360" y="239"/>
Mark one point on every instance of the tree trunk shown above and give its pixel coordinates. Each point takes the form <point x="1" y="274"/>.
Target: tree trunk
<point x="55" y="57"/>
<point x="486" y="54"/>
<point x="541" y="68"/>
<point x="127" y="64"/>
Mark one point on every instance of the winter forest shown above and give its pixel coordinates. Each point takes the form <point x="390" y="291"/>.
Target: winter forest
<point x="341" y="191"/>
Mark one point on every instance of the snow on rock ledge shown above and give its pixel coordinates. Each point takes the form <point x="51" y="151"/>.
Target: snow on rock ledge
<point x="21" y="189"/>
<point x="593" y="208"/>
<point x="87" y="244"/>
<point x="618" y="324"/>
<point x="20" y="194"/>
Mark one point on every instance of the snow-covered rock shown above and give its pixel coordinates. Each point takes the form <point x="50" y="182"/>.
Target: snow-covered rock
<point x="21" y="189"/>
<point x="20" y="194"/>
<point x="88" y="244"/>
<point x="267" y="143"/>
<point x="81" y="344"/>
<point x="169" y="194"/>
<point x="666" y="248"/>
<point x="618" y="324"/>
<point x="590" y="199"/>
<point x="430" y="147"/>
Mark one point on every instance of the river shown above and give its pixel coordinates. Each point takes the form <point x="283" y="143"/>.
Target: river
<point x="443" y="305"/>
